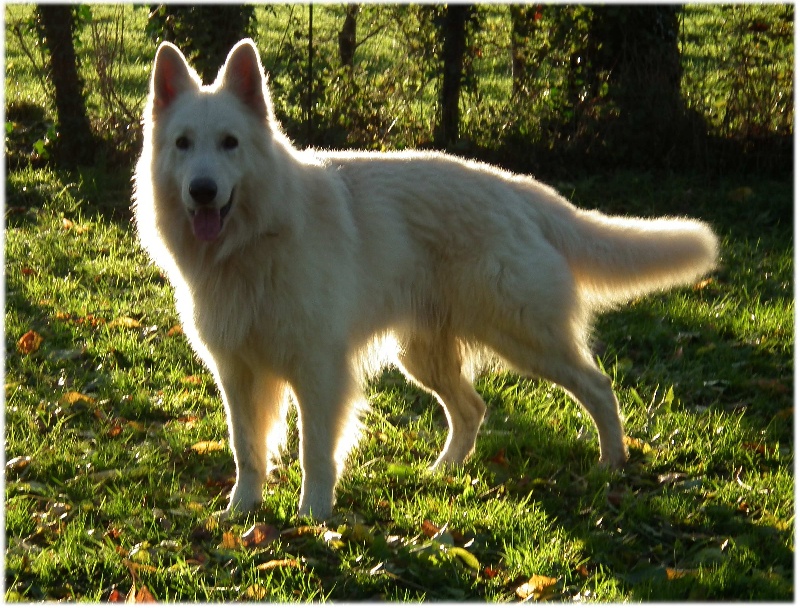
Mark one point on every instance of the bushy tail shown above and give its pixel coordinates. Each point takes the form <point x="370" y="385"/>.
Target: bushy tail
<point x="615" y="259"/>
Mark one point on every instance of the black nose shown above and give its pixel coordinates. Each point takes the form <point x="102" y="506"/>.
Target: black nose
<point x="203" y="190"/>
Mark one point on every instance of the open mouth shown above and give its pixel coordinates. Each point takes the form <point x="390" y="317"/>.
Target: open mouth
<point x="207" y="221"/>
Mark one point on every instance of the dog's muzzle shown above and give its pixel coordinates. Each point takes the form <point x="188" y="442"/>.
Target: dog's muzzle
<point x="207" y="220"/>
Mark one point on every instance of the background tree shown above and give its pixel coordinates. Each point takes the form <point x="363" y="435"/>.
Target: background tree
<point x="205" y="32"/>
<point x="57" y="23"/>
<point x="347" y="35"/>
<point x="453" y="26"/>
<point x="635" y="49"/>
<point x="525" y="56"/>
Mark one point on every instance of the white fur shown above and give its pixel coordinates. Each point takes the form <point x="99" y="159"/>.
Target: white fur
<point x="323" y="253"/>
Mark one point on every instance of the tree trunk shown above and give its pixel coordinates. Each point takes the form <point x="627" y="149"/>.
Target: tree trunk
<point x="524" y="61"/>
<point x="637" y="46"/>
<point x="454" y="44"/>
<point x="75" y="144"/>
<point x="347" y="37"/>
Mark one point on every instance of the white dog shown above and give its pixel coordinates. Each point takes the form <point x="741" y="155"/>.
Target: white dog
<point x="289" y="266"/>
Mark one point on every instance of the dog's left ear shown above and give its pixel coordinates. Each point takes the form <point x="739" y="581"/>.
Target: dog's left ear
<point x="243" y="75"/>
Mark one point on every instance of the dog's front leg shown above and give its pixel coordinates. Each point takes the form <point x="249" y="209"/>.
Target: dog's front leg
<point x="327" y="427"/>
<point x="252" y="401"/>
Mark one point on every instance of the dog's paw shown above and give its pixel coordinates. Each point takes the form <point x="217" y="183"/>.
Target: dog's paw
<point x="318" y="511"/>
<point x="614" y="462"/>
<point x="224" y="514"/>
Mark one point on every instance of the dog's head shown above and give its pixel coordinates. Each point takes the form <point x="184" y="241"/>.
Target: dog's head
<point x="205" y="138"/>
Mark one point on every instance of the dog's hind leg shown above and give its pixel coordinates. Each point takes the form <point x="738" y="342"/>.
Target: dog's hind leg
<point x="435" y="362"/>
<point x="570" y="365"/>
<point x="255" y="408"/>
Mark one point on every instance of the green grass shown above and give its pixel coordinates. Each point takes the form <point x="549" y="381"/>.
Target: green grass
<point x="107" y="487"/>
<point x="107" y="490"/>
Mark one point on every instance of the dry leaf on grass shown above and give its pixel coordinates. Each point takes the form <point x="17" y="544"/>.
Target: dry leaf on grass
<point x="140" y="596"/>
<point x="279" y="563"/>
<point x="260" y="535"/>
<point x="175" y="330"/>
<point x="537" y="587"/>
<point x="206" y="447"/>
<point x="73" y="397"/>
<point x="430" y="529"/>
<point x="18" y="463"/>
<point x="29" y="343"/>
<point x="126" y="322"/>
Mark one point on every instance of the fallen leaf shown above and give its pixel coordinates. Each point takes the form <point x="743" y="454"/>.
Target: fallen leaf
<point x="637" y="444"/>
<point x="500" y="458"/>
<point x="29" y="343"/>
<point x="73" y="397"/>
<point x="189" y="421"/>
<point x="260" y="535"/>
<point x="256" y="592"/>
<point x="229" y="541"/>
<point x="676" y="573"/>
<point x="302" y="531"/>
<point x="67" y="224"/>
<point x="430" y="529"/>
<point x="537" y="587"/>
<point x="18" y="463"/>
<point x="143" y="596"/>
<point x="279" y="563"/>
<point x="175" y="330"/>
<point x="115" y="596"/>
<point x="206" y="447"/>
<point x="703" y="284"/>
<point x="126" y="322"/>
<point x="490" y="572"/>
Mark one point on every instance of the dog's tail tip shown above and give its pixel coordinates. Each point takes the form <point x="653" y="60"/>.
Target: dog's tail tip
<point x="644" y="256"/>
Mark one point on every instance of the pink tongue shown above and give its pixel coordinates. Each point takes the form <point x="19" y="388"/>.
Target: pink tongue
<point x="207" y="224"/>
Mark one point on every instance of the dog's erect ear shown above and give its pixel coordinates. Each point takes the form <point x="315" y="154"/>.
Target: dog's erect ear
<point x="171" y="76"/>
<point x="243" y="75"/>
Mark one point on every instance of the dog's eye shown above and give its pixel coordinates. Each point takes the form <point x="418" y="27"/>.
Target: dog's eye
<point x="182" y="143"/>
<point x="230" y="143"/>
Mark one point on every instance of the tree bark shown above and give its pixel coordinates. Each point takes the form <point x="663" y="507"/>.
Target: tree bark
<point x="347" y="36"/>
<point x="76" y="143"/>
<point x="637" y="46"/>
<point x="524" y="61"/>
<point x="454" y="44"/>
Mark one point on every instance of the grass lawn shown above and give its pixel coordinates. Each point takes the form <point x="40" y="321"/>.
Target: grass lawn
<point x="116" y="443"/>
<point x="116" y="450"/>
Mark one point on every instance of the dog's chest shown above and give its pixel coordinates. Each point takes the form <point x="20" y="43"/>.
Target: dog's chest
<point x="236" y="306"/>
